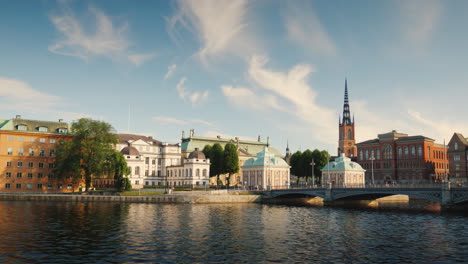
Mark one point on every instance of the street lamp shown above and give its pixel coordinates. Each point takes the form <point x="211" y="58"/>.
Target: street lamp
<point x="313" y="178"/>
<point x="372" y="158"/>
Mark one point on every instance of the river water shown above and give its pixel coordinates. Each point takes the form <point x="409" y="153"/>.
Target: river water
<point x="73" y="232"/>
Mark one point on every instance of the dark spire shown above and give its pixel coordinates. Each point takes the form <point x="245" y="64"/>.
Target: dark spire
<point x="346" y="113"/>
<point x="287" y="147"/>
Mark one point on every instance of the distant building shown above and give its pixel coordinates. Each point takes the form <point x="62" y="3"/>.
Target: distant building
<point x="194" y="171"/>
<point x="397" y="157"/>
<point x="458" y="158"/>
<point x="343" y="172"/>
<point x="346" y="140"/>
<point x="265" y="171"/>
<point x="288" y="155"/>
<point x="246" y="149"/>
<point x="27" y="156"/>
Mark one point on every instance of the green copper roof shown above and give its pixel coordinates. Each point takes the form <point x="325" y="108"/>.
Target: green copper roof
<point x="265" y="158"/>
<point x="342" y="163"/>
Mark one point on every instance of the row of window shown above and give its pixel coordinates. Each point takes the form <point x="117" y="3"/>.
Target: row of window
<point x="31" y="152"/>
<point x="41" y="140"/>
<point x="29" y="175"/>
<point x="402" y="152"/>
<point x="31" y="164"/>
<point x="188" y="173"/>
<point x="60" y="130"/>
<point x="40" y="186"/>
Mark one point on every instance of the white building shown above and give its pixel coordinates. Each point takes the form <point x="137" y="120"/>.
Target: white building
<point x="266" y="171"/>
<point x="195" y="171"/>
<point x="148" y="159"/>
<point x="343" y="172"/>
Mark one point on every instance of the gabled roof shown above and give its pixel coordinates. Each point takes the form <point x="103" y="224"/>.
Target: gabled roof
<point x="265" y="159"/>
<point x="461" y="138"/>
<point x="342" y="163"/>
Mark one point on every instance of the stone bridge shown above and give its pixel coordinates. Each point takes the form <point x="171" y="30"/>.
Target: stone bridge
<point x="440" y="193"/>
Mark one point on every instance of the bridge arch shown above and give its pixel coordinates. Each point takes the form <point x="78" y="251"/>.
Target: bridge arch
<point x="292" y="194"/>
<point x="372" y="195"/>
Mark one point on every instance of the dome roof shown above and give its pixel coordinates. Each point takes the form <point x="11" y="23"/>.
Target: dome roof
<point x="130" y="151"/>
<point x="342" y="163"/>
<point x="196" y="154"/>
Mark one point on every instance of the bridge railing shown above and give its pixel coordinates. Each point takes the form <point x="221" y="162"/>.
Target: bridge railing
<point x="360" y="186"/>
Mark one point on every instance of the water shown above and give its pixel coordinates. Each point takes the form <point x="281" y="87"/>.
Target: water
<point x="72" y="232"/>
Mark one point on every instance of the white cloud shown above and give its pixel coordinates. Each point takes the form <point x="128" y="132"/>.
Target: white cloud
<point x="194" y="97"/>
<point x="170" y="71"/>
<point x="220" y="26"/>
<point x="245" y="97"/>
<point x="107" y="39"/>
<point x="304" y="28"/>
<point x="419" y="19"/>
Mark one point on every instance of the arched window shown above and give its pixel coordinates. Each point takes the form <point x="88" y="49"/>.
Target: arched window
<point x="349" y="134"/>
<point x="455" y="146"/>
<point x="204" y="173"/>
<point x="419" y="151"/>
<point x="137" y="170"/>
<point x="366" y="154"/>
<point x="197" y="173"/>
<point x="190" y="173"/>
<point x="186" y="173"/>
<point x="400" y="153"/>
<point x="360" y="155"/>
<point x="413" y="151"/>
<point x="387" y="152"/>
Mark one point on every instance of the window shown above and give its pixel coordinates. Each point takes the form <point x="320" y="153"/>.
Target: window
<point x="456" y="157"/>
<point x="378" y="154"/>
<point x="30" y="164"/>
<point x="372" y="155"/>
<point x="29" y="186"/>
<point x="11" y="138"/>
<point x="137" y="182"/>
<point x="400" y="152"/>
<point x="159" y="161"/>
<point x="18" y="186"/>
<point x="349" y="134"/>
<point x="69" y="186"/>
<point x="51" y="165"/>
<point x="8" y="175"/>
<point x="62" y="130"/>
<point x="8" y="163"/>
<point x="428" y="152"/>
<point x="52" y="153"/>
<point x="39" y="186"/>
<point x="413" y="151"/>
<point x="50" y="176"/>
<point x="49" y="186"/>
<point x="41" y="165"/>
<point x="197" y="173"/>
<point x="419" y="151"/>
<point x="204" y="173"/>
<point x="7" y="186"/>
<point x="146" y="182"/>
<point x="19" y="175"/>
<point x="59" y="186"/>
<point x="43" y="129"/>
<point x="32" y="139"/>
<point x="457" y="166"/>
<point x="31" y="152"/>
<point x="360" y="155"/>
<point x="42" y="140"/>
<point x="387" y="152"/>
<point x="52" y="140"/>
<point x="20" y="164"/>
<point x="137" y="170"/>
<point x="22" y="127"/>
<point x="159" y="173"/>
<point x="146" y="172"/>
<point x="455" y="146"/>
<point x="10" y="151"/>
<point x="30" y="175"/>
<point x="153" y="173"/>
<point x="406" y="151"/>
<point x="21" y="139"/>
<point x="41" y="153"/>
<point x="153" y="162"/>
<point x="40" y="175"/>
<point x="366" y="154"/>
<point x="20" y="151"/>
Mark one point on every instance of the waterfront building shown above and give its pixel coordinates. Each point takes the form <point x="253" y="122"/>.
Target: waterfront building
<point x="148" y="159"/>
<point x="458" y="158"/>
<point x="346" y="140"/>
<point x="266" y="171"/>
<point x="27" y="156"/>
<point x="246" y="149"/>
<point x="343" y="172"/>
<point x="397" y="157"/>
<point x="194" y="171"/>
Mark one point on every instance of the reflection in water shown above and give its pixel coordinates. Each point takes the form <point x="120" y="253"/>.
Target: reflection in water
<point x="51" y="232"/>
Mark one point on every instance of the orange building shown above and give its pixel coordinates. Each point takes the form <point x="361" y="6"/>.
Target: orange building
<point x="27" y="156"/>
<point x="397" y="157"/>
<point x="346" y="141"/>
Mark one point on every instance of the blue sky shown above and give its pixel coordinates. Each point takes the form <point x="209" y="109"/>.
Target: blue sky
<point x="239" y="68"/>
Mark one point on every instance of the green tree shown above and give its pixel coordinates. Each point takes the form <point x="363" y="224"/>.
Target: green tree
<point x="86" y="154"/>
<point x="116" y="166"/>
<point x="305" y="161"/>
<point x="217" y="162"/>
<point x="208" y="151"/>
<point x="295" y="164"/>
<point x="231" y="161"/>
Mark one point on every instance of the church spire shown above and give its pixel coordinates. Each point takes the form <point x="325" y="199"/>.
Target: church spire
<point x="346" y="113"/>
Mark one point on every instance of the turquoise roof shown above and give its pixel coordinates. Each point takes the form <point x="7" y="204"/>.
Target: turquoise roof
<point x="265" y="158"/>
<point x="342" y="163"/>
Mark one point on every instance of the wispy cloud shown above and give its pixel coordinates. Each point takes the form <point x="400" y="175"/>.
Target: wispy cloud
<point x="284" y="91"/>
<point x="107" y="39"/>
<point x="304" y="28"/>
<point x="176" y="121"/>
<point x="170" y="71"/>
<point x="419" y="19"/>
<point x="215" y="133"/>
<point x="194" y="97"/>
<point x="220" y="25"/>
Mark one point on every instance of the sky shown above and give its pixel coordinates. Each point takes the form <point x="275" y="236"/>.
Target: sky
<point x="239" y="68"/>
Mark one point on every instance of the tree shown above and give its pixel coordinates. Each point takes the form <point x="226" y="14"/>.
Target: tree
<point x="85" y="156"/>
<point x="217" y="162"/>
<point x="231" y="161"/>
<point x="295" y="164"/>
<point x="208" y="151"/>
<point x="116" y="166"/>
<point x="306" y="168"/>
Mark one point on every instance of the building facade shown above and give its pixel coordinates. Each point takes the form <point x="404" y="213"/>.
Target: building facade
<point x="266" y="171"/>
<point x="344" y="173"/>
<point x="194" y="171"/>
<point x="398" y="158"/>
<point x="458" y="158"/>
<point x="27" y="156"/>
<point x="346" y="140"/>
<point x="148" y="159"/>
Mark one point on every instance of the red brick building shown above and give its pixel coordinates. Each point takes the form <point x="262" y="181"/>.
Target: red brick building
<point x="346" y="141"/>
<point x="458" y="158"/>
<point x="27" y="156"/>
<point x="397" y="157"/>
